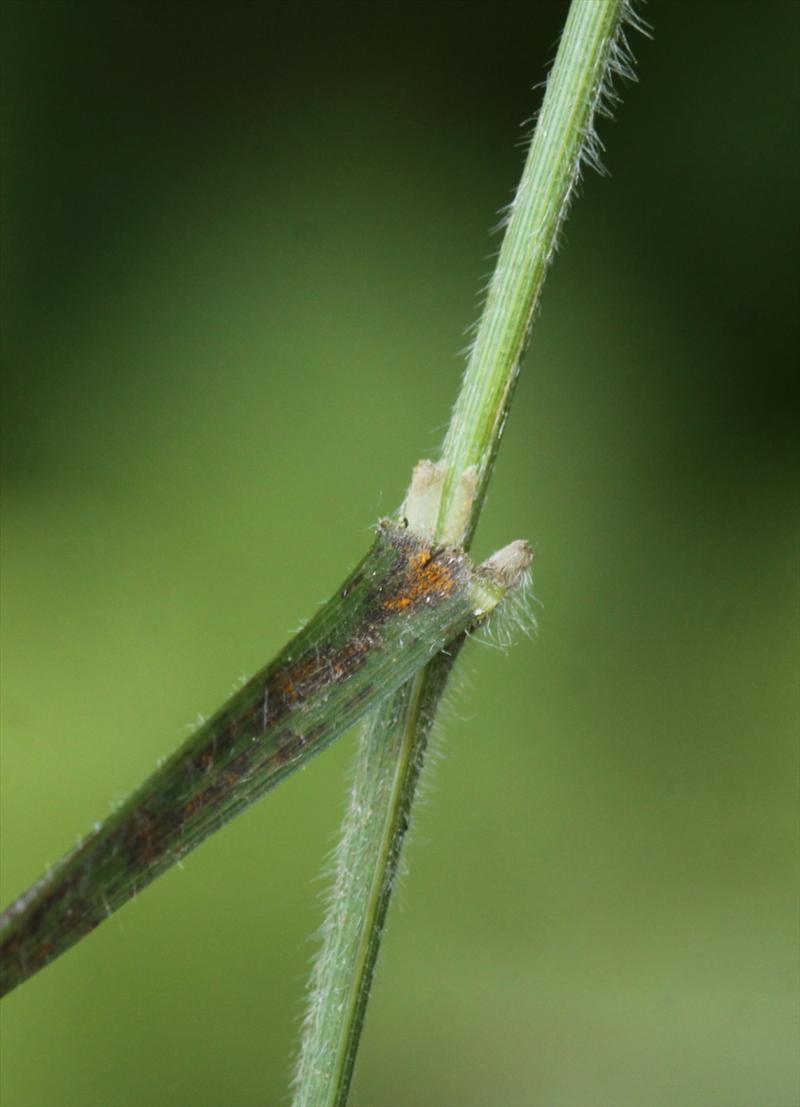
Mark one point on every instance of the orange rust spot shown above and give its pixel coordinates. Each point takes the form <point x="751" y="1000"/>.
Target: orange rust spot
<point x="291" y="684"/>
<point x="205" y="760"/>
<point x="425" y="576"/>
<point x="46" y="951"/>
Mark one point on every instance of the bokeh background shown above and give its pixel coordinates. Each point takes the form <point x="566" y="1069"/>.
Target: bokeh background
<point x="242" y="244"/>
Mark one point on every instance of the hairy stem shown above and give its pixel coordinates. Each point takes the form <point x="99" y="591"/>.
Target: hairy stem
<point x="400" y="606"/>
<point x="444" y="501"/>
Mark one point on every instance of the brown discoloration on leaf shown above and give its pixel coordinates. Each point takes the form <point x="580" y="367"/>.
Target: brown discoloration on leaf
<point x="140" y="843"/>
<point x="291" y="708"/>
<point x="429" y="576"/>
<point x="203" y="760"/>
<point x="421" y="574"/>
<point x="284" y="754"/>
<point x="189" y="808"/>
<point x="35" y="951"/>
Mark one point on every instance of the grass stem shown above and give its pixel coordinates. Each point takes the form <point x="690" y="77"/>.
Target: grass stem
<point x="393" y="741"/>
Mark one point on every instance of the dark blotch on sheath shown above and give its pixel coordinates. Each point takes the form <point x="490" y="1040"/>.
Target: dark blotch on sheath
<point x="202" y="761"/>
<point x="147" y="836"/>
<point x="284" y="753"/>
<point x="138" y="839"/>
<point x="422" y="575"/>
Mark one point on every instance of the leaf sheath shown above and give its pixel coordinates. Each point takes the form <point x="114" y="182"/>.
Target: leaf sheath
<point x="402" y="605"/>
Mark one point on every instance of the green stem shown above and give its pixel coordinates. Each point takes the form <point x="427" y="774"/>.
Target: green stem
<point x="445" y="500"/>
<point x="589" y="51"/>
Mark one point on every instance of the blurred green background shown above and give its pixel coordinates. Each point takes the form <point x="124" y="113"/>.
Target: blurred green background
<point x="242" y="243"/>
